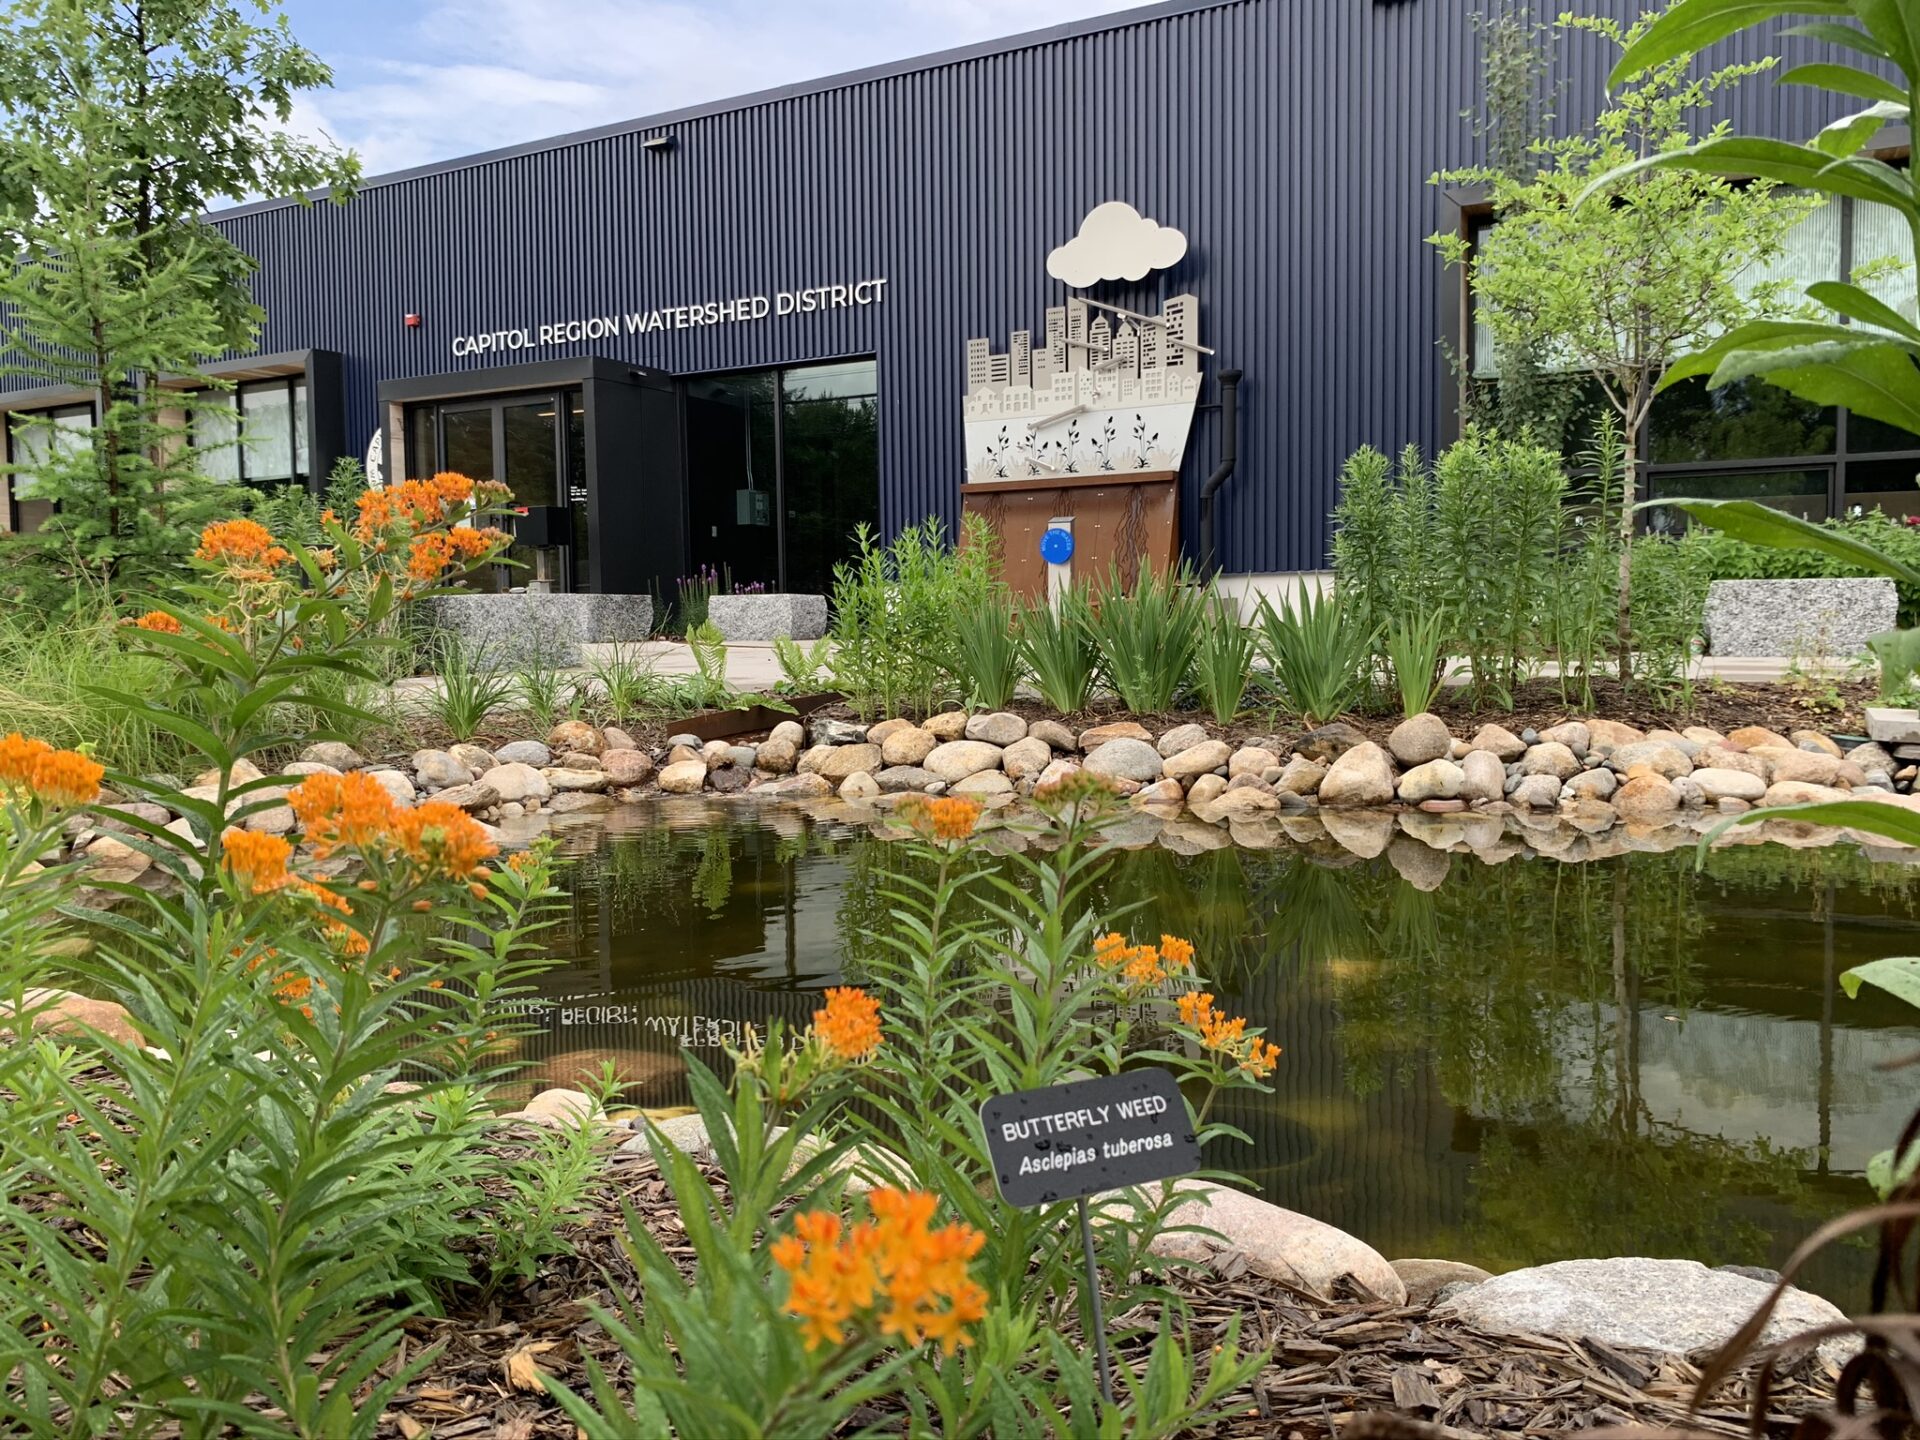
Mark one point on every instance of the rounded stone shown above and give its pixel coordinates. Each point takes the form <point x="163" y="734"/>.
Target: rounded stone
<point x="1657" y="755"/>
<point x="1814" y="767"/>
<point x="1026" y="757"/>
<point x="946" y="725"/>
<point x="1646" y="798"/>
<point x="1361" y="776"/>
<point x="1300" y="776"/>
<point x="1482" y="776"/>
<point x="1425" y="1279"/>
<point x="477" y="796"/>
<point x="1000" y="727"/>
<point x="683" y="778"/>
<point x="1195" y="760"/>
<point x="1252" y="760"/>
<point x="1231" y="804"/>
<point x="1420" y="738"/>
<point x="1605" y="735"/>
<point x="859" y="786"/>
<point x="1204" y="789"/>
<point x="1498" y="741"/>
<point x="1574" y="734"/>
<point x="513" y="780"/>
<point x="395" y="784"/>
<point x="908" y="745"/>
<point x="627" y="767"/>
<point x="333" y="752"/>
<point x="717" y="752"/>
<point x="1550" y="757"/>
<point x="1058" y="736"/>
<point x="1124" y="758"/>
<point x="877" y="734"/>
<point x="524" y="752"/>
<point x="898" y="779"/>
<point x="477" y="758"/>
<point x="1432" y="780"/>
<point x="1181" y="737"/>
<point x="835" y="763"/>
<point x="437" y="769"/>
<point x="576" y="735"/>
<point x="1800" y="792"/>
<point x="1095" y="736"/>
<point x="1536" y="792"/>
<point x="956" y="759"/>
<point x="569" y="781"/>
<point x="1717" y="784"/>
<point x="982" y="783"/>
<point x="776" y="755"/>
<point x="1595" y="784"/>
<point x="790" y="731"/>
<point x="1160" y="792"/>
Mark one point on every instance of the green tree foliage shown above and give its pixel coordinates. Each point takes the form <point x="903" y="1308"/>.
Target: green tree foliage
<point x="121" y="124"/>
<point x="1618" y="292"/>
<point x="1861" y="353"/>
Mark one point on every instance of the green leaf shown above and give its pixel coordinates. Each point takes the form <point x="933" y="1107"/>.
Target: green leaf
<point x="1899" y="976"/>
<point x="1886" y="1177"/>
<point x="1898" y="654"/>
<point x="1805" y="166"/>
<point x="1847" y="81"/>
<point x="1857" y="304"/>
<point x="1846" y="37"/>
<point x="1689" y="28"/>
<point x="1851" y="134"/>
<point x="1759" y="524"/>
<point x="1875" y="378"/>
<point x="1895" y="25"/>
<point x="1788" y="342"/>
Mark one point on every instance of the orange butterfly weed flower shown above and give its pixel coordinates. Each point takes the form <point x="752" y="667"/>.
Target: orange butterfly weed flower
<point x="240" y="543"/>
<point x="1142" y="966"/>
<point x="58" y="777"/>
<point x="849" y="1023"/>
<point x="907" y="1279"/>
<point x="257" y="861"/>
<point x="158" y="621"/>
<point x="352" y="811"/>
<point x="1227" y="1035"/>
<point x="1177" y="953"/>
<point x="944" y="817"/>
<point x="1261" y="1059"/>
<point x="443" y="840"/>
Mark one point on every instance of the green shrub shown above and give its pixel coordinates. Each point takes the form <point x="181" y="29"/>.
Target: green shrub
<point x="895" y="632"/>
<point x="1223" y="660"/>
<point x="1416" y="646"/>
<point x="1057" y="649"/>
<point x="1147" y="636"/>
<point x="466" y="689"/>
<point x="1670" y="580"/>
<point x="58" y="680"/>
<point x="989" y="649"/>
<point x="1320" y="649"/>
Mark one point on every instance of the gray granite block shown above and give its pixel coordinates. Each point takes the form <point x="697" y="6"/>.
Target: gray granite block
<point x="764" y="617"/>
<point x="1824" y="619"/>
<point x="504" y="632"/>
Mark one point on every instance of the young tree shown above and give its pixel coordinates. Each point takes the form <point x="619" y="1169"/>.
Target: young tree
<point x="1617" y="292"/>
<point x="121" y="123"/>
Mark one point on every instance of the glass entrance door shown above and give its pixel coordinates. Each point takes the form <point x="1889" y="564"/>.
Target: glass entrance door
<point x="781" y="466"/>
<point x="536" y="446"/>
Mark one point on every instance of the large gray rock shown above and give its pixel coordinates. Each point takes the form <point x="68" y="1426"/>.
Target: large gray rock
<point x="1196" y="760"/>
<point x="837" y="762"/>
<point x="1362" y="775"/>
<point x="1026" y="757"/>
<point x="1671" y="1306"/>
<point x="897" y="779"/>
<point x="908" y="745"/>
<point x="767" y="617"/>
<point x="1498" y="741"/>
<point x="1717" y="784"/>
<point x="1483" y="777"/>
<point x="436" y="769"/>
<point x="1420" y="738"/>
<point x="1125" y="759"/>
<point x="1432" y="780"/>
<point x="1656" y="755"/>
<point x="687" y="777"/>
<point x="1550" y="757"/>
<point x="512" y="780"/>
<point x="627" y="767"/>
<point x="524" y="752"/>
<point x="334" y="753"/>
<point x="1803" y="619"/>
<point x="505" y="632"/>
<point x="957" y="759"/>
<point x="999" y="727"/>
<point x="1279" y="1244"/>
<point x="1181" y="737"/>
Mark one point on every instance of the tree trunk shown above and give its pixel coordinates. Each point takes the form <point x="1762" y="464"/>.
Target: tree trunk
<point x="1633" y="419"/>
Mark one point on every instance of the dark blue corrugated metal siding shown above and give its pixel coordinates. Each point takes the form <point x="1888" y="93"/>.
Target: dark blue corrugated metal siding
<point x="1291" y="139"/>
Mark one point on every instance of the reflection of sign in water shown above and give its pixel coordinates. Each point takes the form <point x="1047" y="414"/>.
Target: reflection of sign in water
<point x="1070" y="1141"/>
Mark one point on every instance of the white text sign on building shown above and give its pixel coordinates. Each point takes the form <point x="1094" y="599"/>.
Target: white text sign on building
<point x="733" y="310"/>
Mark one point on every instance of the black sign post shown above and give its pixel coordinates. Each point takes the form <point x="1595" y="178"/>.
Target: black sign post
<point x="1067" y="1142"/>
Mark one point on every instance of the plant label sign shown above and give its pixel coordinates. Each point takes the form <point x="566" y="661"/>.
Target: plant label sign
<point x="1067" y="1142"/>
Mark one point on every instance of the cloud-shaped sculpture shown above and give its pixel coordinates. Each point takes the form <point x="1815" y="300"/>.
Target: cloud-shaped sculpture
<point x="1116" y="242"/>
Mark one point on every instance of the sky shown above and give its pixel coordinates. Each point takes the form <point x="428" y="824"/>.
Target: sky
<point x="422" y="80"/>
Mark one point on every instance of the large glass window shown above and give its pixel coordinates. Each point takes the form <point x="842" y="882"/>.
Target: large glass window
<point x="782" y="465"/>
<point x="33" y="439"/>
<point x="253" y="435"/>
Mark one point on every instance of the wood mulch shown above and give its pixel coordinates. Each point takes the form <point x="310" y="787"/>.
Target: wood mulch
<point x="1348" y="1367"/>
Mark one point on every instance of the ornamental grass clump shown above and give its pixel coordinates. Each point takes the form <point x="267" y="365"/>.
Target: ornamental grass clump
<point x="220" y="1217"/>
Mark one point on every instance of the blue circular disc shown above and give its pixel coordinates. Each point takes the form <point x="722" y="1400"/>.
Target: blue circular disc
<point x="1056" y="546"/>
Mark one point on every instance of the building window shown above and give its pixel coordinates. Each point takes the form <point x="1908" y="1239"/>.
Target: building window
<point x="255" y="434"/>
<point x="1752" y="441"/>
<point x="33" y="439"/>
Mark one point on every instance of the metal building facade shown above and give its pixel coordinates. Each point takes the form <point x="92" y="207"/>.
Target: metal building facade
<point x="1291" y="140"/>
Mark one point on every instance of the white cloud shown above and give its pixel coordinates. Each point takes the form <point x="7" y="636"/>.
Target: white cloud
<point x="1115" y="242"/>
<point x="481" y="74"/>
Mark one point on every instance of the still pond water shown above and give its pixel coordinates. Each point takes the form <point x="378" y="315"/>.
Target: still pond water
<point x="1534" y="1062"/>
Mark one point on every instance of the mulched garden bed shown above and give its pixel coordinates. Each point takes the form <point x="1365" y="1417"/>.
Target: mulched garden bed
<point x="1335" y="1362"/>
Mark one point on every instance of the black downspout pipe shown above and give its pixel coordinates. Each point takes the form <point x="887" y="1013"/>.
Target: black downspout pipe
<point x="1229" y="452"/>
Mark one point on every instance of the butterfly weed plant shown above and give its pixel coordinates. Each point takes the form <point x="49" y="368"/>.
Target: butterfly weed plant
<point x="220" y="1218"/>
<point x="891" y="1280"/>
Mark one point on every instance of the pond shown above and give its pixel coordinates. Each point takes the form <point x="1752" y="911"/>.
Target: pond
<point x="1533" y="1061"/>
